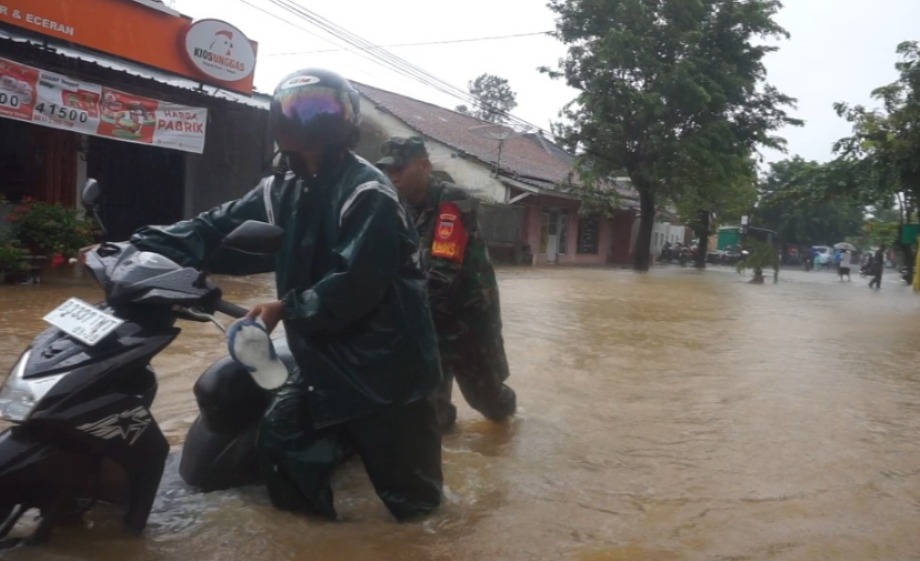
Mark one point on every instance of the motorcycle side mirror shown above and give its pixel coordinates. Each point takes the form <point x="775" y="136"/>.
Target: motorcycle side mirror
<point x="253" y="236"/>
<point x="92" y="192"/>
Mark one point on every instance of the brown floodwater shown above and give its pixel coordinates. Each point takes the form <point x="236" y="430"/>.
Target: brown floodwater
<point x="663" y="416"/>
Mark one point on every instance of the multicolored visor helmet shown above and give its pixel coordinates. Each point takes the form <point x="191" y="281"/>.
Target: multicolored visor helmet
<point x="313" y="108"/>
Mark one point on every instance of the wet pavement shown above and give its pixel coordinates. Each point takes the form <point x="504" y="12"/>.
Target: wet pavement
<point x="663" y="416"/>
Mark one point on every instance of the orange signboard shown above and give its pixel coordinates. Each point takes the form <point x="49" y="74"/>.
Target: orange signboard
<point x="132" y="31"/>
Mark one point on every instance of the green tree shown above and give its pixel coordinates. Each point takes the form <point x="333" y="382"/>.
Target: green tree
<point x="672" y="93"/>
<point x="878" y="230"/>
<point x="886" y="142"/>
<point x="494" y="98"/>
<point x="761" y="255"/>
<point x="703" y="205"/>
<point x="804" y="202"/>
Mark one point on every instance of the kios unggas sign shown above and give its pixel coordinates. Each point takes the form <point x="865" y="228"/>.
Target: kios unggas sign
<point x="219" y="50"/>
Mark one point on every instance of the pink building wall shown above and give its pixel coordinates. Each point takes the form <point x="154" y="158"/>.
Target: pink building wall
<point x="533" y="221"/>
<point x="622" y="250"/>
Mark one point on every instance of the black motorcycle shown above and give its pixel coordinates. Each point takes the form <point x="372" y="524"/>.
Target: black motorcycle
<point x="80" y="395"/>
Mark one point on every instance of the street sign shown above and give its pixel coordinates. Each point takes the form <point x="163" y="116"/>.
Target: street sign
<point x="909" y="233"/>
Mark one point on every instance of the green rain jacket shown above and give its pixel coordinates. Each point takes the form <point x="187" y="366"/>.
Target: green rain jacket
<point x="356" y="313"/>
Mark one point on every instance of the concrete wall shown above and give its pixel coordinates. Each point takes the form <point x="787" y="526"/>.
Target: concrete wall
<point x="237" y="154"/>
<point x="470" y="174"/>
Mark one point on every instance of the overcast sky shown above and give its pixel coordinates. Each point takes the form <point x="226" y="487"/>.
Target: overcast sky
<point x="839" y="51"/>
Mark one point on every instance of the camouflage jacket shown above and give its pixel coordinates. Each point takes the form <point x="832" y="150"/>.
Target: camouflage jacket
<point x="461" y="282"/>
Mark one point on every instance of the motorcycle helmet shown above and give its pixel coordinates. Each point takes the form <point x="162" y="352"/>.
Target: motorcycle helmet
<point x="313" y="109"/>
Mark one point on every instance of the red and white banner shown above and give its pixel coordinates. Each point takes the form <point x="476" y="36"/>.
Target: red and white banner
<point x="49" y="99"/>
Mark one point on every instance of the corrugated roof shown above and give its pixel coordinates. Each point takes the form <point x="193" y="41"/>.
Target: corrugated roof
<point x="527" y="156"/>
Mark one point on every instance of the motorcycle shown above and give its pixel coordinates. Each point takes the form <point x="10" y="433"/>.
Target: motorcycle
<point x="79" y="396"/>
<point x="678" y="253"/>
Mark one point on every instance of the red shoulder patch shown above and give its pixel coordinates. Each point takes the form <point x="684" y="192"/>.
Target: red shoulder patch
<point x="450" y="235"/>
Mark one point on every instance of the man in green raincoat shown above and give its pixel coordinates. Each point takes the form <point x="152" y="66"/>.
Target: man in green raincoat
<point x="352" y="301"/>
<point x="461" y="284"/>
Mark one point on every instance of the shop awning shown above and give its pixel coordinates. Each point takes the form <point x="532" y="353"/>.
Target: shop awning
<point x="533" y="189"/>
<point x="625" y="192"/>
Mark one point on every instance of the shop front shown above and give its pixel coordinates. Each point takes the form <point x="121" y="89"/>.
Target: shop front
<point x="158" y="108"/>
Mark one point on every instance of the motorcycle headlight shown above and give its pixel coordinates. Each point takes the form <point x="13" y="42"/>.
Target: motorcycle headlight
<point x="18" y="396"/>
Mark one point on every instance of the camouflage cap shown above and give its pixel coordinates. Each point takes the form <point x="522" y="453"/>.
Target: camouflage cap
<point x="398" y="151"/>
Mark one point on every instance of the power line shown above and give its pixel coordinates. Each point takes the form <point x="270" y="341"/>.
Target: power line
<point x="380" y="56"/>
<point x="451" y="41"/>
<point x="279" y="18"/>
<point x="364" y="48"/>
<point x="291" y="23"/>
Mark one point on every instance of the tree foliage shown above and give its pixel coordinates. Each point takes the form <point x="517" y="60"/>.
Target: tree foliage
<point x="703" y="206"/>
<point x="760" y="256"/>
<point x="877" y="230"/>
<point x="597" y="199"/>
<point x="885" y="144"/>
<point x="494" y="98"/>
<point x="806" y="202"/>
<point x="672" y="93"/>
<point x="886" y="141"/>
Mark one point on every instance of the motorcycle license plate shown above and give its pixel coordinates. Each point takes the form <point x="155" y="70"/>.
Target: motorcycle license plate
<point x="83" y="321"/>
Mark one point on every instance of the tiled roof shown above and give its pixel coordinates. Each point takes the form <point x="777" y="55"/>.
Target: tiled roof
<point x="528" y="157"/>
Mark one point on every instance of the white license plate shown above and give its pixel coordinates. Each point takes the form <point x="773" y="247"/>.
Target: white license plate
<point x="83" y="321"/>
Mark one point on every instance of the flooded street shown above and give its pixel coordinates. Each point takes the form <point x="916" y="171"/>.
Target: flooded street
<point x="665" y="416"/>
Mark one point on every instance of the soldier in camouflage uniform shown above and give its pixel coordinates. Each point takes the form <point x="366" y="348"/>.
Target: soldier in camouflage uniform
<point x="461" y="284"/>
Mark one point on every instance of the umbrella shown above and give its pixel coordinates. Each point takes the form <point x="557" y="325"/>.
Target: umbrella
<point x="845" y="245"/>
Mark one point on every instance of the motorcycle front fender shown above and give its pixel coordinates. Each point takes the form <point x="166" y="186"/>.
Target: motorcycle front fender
<point x="33" y="473"/>
<point x="36" y="472"/>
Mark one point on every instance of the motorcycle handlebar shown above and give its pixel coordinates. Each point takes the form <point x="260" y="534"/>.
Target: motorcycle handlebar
<point x="230" y="309"/>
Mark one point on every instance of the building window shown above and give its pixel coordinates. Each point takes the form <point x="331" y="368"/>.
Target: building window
<point x="588" y="235"/>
